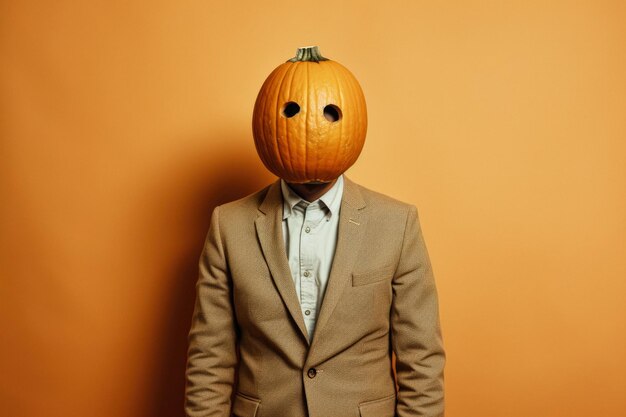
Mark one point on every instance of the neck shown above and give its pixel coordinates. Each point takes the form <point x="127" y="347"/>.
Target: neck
<point x="312" y="191"/>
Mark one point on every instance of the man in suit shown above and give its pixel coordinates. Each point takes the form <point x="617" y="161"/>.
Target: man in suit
<point x="307" y="286"/>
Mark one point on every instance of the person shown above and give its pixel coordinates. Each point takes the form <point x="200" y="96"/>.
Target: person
<point x="309" y="287"/>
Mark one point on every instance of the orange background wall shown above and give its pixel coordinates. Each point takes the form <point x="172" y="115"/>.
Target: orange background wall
<point x="124" y="123"/>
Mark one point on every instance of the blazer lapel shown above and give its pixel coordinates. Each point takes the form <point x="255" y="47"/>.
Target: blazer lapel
<point x="350" y="233"/>
<point x="270" y="231"/>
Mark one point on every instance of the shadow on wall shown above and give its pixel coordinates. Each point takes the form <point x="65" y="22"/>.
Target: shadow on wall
<point x="211" y="181"/>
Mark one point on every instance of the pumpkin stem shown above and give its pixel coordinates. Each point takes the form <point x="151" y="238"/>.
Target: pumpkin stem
<point x="308" y="53"/>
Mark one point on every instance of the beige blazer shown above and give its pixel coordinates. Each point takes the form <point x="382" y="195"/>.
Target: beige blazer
<point x="249" y="354"/>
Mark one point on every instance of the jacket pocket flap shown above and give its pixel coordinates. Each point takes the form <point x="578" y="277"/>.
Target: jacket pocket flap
<point x="367" y="277"/>
<point x="244" y="406"/>
<point x="381" y="407"/>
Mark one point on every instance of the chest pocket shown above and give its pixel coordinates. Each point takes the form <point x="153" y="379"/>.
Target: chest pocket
<point x="375" y="275"/>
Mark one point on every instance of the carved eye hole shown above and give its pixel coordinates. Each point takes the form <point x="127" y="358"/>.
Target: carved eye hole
<point x="290" y="109"/>
<point x="332" y="113"/>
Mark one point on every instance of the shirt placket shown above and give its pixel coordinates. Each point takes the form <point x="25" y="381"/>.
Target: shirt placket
<point x="309" y="282"/>
<point x="307" y="287"/>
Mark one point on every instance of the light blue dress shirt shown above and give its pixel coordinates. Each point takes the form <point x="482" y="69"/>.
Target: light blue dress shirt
<point x="310" y="235"/>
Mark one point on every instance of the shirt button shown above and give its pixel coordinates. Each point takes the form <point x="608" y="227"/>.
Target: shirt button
<point x="308" y="229"/>
<point x="311" y="373"/>
<point x="307" y="312"/>
<point x="306" y="273"/>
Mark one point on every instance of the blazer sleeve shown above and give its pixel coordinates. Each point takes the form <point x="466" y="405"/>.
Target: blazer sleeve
<point x="416" y="337"/>
<point x="211" y="357"/>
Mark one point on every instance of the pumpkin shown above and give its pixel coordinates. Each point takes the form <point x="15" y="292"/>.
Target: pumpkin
<point x="309" y="120"/>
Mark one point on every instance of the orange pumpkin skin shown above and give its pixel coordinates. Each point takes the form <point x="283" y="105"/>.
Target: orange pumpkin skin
<point x="325" y="136"/>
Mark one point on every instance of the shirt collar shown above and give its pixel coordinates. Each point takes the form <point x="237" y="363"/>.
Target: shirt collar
<point x="331" y="198"/>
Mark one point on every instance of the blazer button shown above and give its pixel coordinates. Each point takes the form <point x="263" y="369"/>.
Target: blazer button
<point x="312" y="372"/>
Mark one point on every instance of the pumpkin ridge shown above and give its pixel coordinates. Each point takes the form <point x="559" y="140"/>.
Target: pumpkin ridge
<point x="260" y="127"/>
<point x="276" y="119"/>
<point x="316" y="175"/>
<point x="362" y="124"/>
<point x="357" y="102"/>
<point x="315" y="151"/>
<point x="306" y="122"/>
<point x="339" y="142"/>
<point x="343" y="128"/>
<point x="256" y="129"/>
<point x="292" y="73"/>
<point x="269" y="95"/>
<point x="355" y="94"/>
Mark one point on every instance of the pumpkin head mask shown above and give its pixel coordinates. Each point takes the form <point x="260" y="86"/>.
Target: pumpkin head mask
<point x="309" y="120"/>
